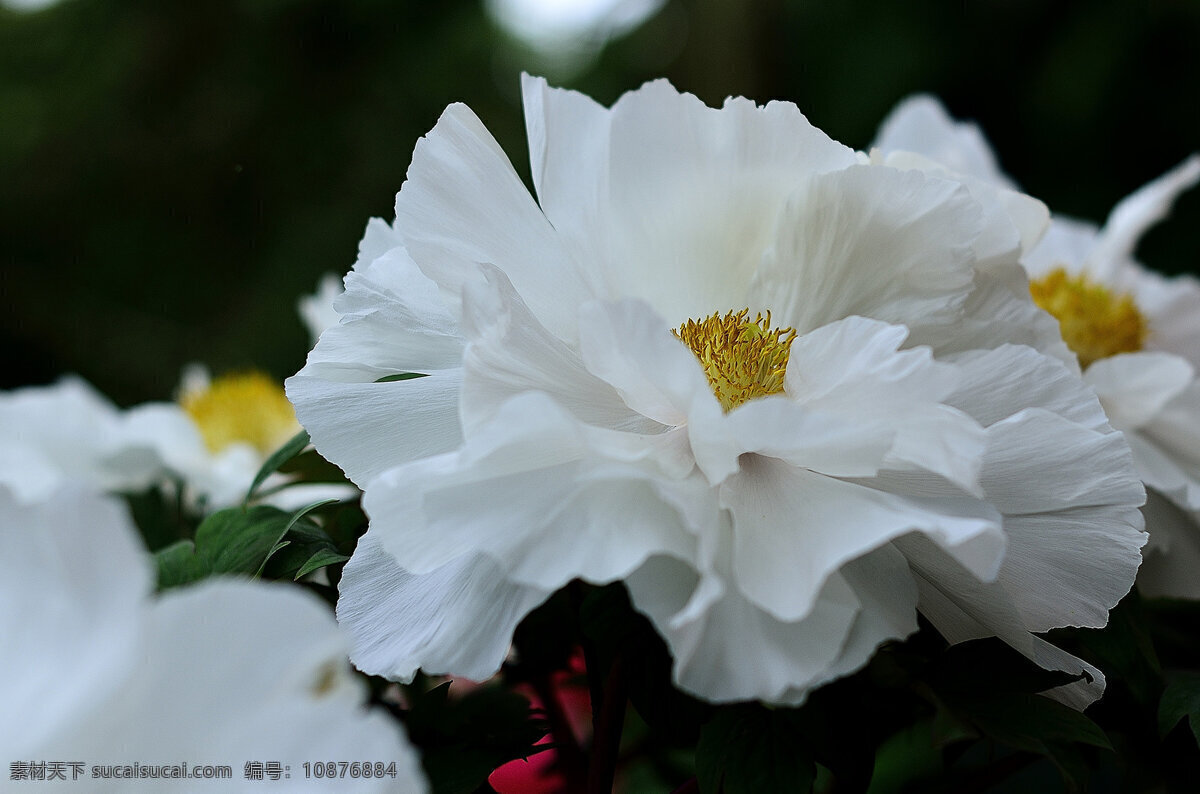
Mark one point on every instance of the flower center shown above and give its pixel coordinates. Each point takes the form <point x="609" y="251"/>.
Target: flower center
<point x="742" y="358"/>
<point x="247" y="407"/>
<point x="1096" y="322"/>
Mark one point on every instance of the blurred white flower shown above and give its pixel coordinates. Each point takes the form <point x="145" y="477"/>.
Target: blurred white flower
<point x="70" y="433"/>
<point x="788" y="397"/>
<point x="211" y="442"/>
<point x="95" y="669"/>
<point x="316" y="310"/>
<point x="1135" y="332"/>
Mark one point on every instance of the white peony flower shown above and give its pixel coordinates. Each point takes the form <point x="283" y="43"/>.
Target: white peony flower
<point x="787" y="396"/>
<point x="1135" y="332"/>
<point x="95" y="670"/>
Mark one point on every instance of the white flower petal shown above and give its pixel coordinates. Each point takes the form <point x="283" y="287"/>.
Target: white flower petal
<point x="70" y="434"/>
<point x="1067" y="244"/>
<point x="1136" y="213"/>
<point x="920" y="124"/>
<point x="688" y="196"/>
<point x="93" y="669"/>
<point x="884" y="586"/>
<point x="1172" y="309"/>
<point x="392" y="321"/>
<point x="1165" y="472"/>
<point x="793" y="529"/>
<point x="963" y="608"/>
<point x="394" y="421"/>
<point x="994" y="381"/>
<point x="999" y="312"/>
<point x="456" y="620"/>
<point x="1172" y="556"/>
<point x="511" y="352"/>
<point x="628" y="345"/>
<point x="732" y="650"/>
<point x="1175" y="432"/>
<point x="463" y="204"/>
<point x="1038" y="462"/>
<point x="1134" y="387"/>
<point x="583" y="512"/>
<point x="69" y="605"/>
<point x="905" y="236"/>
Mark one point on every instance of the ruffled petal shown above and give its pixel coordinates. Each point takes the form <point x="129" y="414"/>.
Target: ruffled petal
<point x="464" y="204"/>
<point x="510" y="352"/>
<point x="689" y="198"/>
<point x="457" y="620"/>
<point x="726" y="648"/>
<point x="906" y="238"/>
<point x="628" y="345"/>
<point x="392" y="421"/>
<point x="793" y="529"/>
<point x="592" y="505"/>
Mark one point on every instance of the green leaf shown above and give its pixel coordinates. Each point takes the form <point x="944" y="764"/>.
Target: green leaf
<point x="401" y="376"/>
<point x="748" y="749"/>
<point x="293" y="447"/>
<point x="1180" y="699"/>
<point x="236" y="540"/>
<point x="319" y="559"/>
<point x="178" y="565"/>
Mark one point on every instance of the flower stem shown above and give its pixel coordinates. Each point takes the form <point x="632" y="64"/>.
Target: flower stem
<point x="608" y="719"/>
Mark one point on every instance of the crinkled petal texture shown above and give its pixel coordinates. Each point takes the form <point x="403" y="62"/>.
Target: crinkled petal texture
<point x="95" y="669"/>
<point x="924" y="448"/>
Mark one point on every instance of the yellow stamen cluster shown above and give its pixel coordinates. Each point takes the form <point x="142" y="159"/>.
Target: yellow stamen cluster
<point x="1096" y="322"/>
<point x="247" y="407"/>
<point x="742" y="358"/>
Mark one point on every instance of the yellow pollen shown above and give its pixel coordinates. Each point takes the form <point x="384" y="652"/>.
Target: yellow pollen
<point x="1096" y="322"/>
<point x="742" y="358"/>
<point x="248" y="407"/>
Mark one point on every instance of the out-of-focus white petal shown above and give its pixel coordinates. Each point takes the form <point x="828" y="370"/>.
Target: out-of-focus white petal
<point x="921" y="125"/>
<point x="226" y="671"/>
<point x="1136" y="213"/>
<point x="1172" y="555"/>
<point x="69" y="610"/>
<point x="1134" y="387"/>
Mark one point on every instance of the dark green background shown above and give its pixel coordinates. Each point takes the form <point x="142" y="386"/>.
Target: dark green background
<point x="173" y="175"/>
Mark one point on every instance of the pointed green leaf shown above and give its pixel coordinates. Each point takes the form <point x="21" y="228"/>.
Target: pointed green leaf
<point x="293" y="447"/>
<point x="319" y="559"/>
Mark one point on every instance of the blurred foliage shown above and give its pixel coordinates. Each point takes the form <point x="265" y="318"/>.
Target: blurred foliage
<point x="175" y="175"/>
